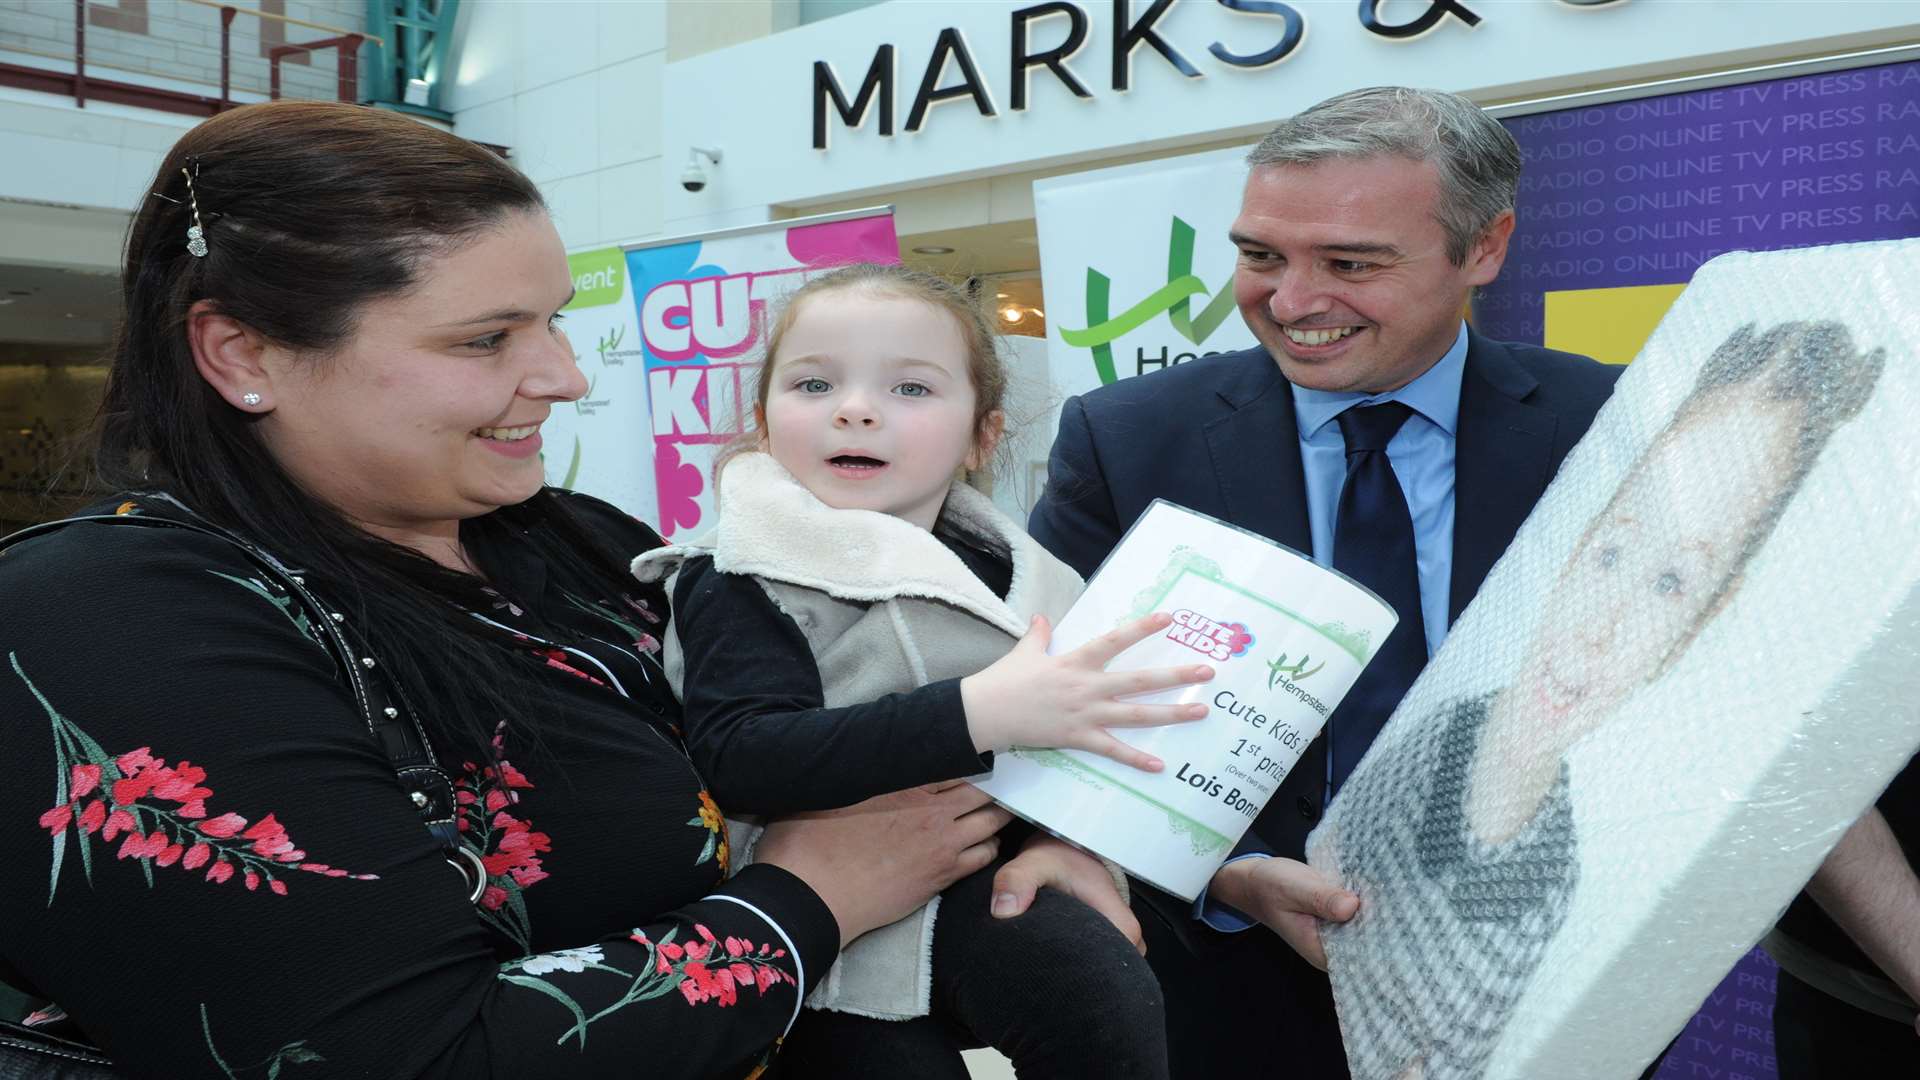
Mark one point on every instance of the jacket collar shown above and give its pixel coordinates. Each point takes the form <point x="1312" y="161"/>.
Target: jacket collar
<point x="1255" y="449"/>
<point x="1502" y="456"/>
<point x="772" y="527"/>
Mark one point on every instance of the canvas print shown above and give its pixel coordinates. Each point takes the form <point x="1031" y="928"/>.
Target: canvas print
<point x="1694" y="668"/>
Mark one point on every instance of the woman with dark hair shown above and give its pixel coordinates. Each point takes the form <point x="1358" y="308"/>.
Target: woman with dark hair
<point x="322" y="425"/>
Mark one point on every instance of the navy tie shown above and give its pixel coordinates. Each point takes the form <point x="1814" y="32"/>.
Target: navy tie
<point x="1373" y="544"/>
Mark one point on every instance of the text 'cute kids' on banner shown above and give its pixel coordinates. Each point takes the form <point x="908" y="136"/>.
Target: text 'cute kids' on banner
<point x="675" y="328"/>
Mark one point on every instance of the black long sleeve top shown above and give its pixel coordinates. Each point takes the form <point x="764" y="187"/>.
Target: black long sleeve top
<point x="756" y="715"/>
<point x="213" y="870"/>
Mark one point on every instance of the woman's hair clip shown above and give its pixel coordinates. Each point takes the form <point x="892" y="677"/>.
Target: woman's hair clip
<point x="196" y="237"/>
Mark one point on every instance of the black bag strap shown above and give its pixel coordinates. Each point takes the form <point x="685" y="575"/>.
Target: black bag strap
<point x="389" y="719"/>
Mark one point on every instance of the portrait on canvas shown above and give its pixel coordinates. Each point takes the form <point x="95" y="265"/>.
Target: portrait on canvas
<point x="1525" y="793"/>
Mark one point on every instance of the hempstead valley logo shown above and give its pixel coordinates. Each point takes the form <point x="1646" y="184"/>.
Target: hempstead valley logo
<point x="1278" y="669"/>
<point x="608" y="343"/>
<point x="1172" y="298"/>
<point x="1221" y="641"/>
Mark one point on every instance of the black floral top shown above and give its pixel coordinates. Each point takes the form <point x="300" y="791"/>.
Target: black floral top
<point x="212" y="869"/>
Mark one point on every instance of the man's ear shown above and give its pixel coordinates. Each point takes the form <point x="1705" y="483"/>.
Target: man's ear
<point x="992" y="426"/>
<point x="1489" y="253"/>
<point x="232" y="357"/>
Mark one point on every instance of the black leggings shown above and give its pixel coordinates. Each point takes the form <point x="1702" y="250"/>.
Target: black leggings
<point x="1057" y="989"/>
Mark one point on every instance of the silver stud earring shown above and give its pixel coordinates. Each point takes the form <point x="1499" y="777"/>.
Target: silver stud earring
<point x="249" y="398"/>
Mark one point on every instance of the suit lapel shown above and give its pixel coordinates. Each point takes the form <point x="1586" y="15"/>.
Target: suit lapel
<point x="1256" y="453"/>
<point x="1502" y="460"/>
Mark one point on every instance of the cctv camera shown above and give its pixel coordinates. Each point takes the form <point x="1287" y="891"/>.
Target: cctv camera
<point x="694" y="176"/>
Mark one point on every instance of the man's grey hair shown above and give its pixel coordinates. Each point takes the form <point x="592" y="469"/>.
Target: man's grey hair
<point x="1478" y="161"/>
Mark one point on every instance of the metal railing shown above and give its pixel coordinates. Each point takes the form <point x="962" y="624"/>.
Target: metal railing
<point x="77" y="74"/>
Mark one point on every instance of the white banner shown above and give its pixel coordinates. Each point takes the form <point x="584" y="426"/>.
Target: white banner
<point x="598" y="445"/>
<point x="1136" y="266"/>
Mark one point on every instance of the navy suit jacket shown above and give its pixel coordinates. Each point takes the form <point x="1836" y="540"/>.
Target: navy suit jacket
<point x="1218" y="436"/>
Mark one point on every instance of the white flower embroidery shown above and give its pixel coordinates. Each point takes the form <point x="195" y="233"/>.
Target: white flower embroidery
<point x="564" y="960"/>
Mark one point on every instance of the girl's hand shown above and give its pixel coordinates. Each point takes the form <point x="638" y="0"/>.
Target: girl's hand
<point x="874" y="862"/>
<point x="1028" y="698"/>
<point x="1054" y="863"/>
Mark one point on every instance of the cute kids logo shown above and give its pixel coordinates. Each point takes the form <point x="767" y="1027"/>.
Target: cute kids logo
<point x="1220" y="641"/>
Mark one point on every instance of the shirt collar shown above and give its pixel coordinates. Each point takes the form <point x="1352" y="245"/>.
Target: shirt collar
<point x="1434" y="395"/>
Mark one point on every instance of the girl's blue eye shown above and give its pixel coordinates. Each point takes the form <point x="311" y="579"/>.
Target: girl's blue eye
<point x="813" y="386"/>
<point x="912" y="389"/>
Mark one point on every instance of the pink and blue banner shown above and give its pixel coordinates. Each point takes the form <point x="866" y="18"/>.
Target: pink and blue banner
<point x="703" y="310"/>
<point x="668" y="335"/>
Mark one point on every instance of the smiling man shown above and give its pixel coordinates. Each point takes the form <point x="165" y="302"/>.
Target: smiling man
<point x="1372" y="428"/>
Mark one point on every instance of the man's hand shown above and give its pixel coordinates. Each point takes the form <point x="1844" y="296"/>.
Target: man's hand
<point x="1047" y="861"/>
<point x="1869" y="889"/>
<point x="1290" y="897"/>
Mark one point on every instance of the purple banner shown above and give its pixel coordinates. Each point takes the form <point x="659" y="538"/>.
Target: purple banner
<point x="1642" y="193"/>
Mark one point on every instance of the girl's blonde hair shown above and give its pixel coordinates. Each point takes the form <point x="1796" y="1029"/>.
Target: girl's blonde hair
<point x="986" y="370"/>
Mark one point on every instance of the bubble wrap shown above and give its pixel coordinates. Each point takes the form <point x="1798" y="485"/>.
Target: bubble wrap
<point x="1698" y="663"/>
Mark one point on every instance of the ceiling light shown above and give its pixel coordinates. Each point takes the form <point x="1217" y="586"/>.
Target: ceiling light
<point x="1010" y="313"/>
<point x="932" y="249"/>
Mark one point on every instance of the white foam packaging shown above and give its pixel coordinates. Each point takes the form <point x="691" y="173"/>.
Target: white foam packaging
<point x="1696" y="666"/>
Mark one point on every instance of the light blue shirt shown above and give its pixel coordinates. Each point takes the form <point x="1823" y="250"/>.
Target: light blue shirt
<point x="1422" y="453"/>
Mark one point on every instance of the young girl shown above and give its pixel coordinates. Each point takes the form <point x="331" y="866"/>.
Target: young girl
<point x="850" y="630"/>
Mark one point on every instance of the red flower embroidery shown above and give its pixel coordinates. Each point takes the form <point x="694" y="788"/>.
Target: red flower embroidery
<point x="558" y="659"/>
<point x="508" y="846"/>
<point x="158" y="813"/>
<point x="84" y="779"/>
<point x="223" y="826"/>
<point x="704" y="978"/>
<point x="117" y="822"/>
<point x="701" y="985"/>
